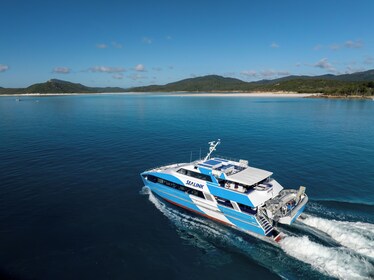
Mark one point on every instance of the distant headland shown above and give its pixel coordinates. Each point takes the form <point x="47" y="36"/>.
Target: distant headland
<point x="359" y="84"/>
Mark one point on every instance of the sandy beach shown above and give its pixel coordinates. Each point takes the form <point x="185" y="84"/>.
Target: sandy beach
<point x="180" y="94"/>
<point x="247" y="94"/>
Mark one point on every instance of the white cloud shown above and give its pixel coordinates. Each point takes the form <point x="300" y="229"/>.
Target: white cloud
<point x="273" y="73"/>
<point x="117" y="45"/>
<point x="107" y="69"/>
<point x="324" y="64"/>
<point x="139" y="68"/>
<point x="335" y="47"/>
<point x="118" y="76"/>
<point x="136" y="77"/>
<point x="354" y="44"/>
<point x="317" y="47"/>
<point x="369" y="60"/>
<point x="249" y="73"/>
<point x="147" y="40"/>
<point x="274" y="45"/>
<point x="264" y="73"/>
<point x="101" y="46"/>
<point x="3" y="67"/>
<point x="350" y="69"/>
<point x="61" y="70"/>
<point x="350" y="44"/>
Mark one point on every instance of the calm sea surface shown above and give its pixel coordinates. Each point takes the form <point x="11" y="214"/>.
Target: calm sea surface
<point x="73" y="206"/>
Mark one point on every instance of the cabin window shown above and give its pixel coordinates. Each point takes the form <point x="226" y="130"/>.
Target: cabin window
<point x="235" y="205"/>
<point x="195" y="193"/>
<point x="208" y="197"/>
<point x="176" y="186"/>
<point x="194" y="174"/>
<point x="247" y="209"/>
<point x="224" y="202"/>
<point x="151" y="178"/>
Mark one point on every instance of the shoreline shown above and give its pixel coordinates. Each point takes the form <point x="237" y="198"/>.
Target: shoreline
<point x="184" y="93"/>
<point x="203" y="94"/>
<point x="247" y="94"/>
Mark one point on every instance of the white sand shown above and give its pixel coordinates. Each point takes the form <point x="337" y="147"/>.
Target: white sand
<point x="247" y="94"/>
<point x="196" y="94"/>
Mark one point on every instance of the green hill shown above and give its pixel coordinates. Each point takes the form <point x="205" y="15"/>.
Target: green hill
<point x="59" y="86"/>
<point x="360" y="83"/>
<point x="205" y="83"/>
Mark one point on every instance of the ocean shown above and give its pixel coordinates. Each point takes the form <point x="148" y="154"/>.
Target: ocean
<point x="73" y="206"/>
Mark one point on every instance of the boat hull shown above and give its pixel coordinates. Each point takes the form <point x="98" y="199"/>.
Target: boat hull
<point x="218" y="213"/>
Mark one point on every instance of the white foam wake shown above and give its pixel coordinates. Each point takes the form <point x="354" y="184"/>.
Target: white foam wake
<point x="335" y="262"/>
<point x="357" y="236"/>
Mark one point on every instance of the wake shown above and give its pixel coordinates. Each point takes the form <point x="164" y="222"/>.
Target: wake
<point x="338" y="262"/>
<point x="335" y="262"/>
<point x="357" y="236"/>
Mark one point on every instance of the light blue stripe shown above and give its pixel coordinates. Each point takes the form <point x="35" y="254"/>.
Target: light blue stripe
<point x="239" y="215"/>
<point x="242" y="224"/>
<point x="205" y="171"/>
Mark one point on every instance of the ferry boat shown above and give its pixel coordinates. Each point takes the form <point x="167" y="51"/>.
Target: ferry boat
<point x="230" y="192"/>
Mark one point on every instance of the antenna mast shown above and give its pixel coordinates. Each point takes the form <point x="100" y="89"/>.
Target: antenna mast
<point x="212" y="148"/>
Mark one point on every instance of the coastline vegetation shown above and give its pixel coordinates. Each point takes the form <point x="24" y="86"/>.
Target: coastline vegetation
<point x="359" y="84"/>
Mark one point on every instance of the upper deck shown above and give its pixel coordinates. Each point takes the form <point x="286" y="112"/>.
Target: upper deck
<point x="222" y="177"/>
<point x="235" y="171"/>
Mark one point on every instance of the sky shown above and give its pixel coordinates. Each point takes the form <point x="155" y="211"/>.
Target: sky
<point x="135" y="43"/>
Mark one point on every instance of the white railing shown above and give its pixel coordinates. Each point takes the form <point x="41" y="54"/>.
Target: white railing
<point x="228" y="158"/>
<point x="169" y="165"/>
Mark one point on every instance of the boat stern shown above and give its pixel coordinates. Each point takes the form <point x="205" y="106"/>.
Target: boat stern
<point x="294" y="213"/>
<point x="287" y="206"/>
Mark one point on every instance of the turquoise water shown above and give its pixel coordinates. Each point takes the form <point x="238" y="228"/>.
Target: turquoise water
<point x="72" y="204"/>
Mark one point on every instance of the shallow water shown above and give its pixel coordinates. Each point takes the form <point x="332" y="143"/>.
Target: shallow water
<point x="72" y="203"/>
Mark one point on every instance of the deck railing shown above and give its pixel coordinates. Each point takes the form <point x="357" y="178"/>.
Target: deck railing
<point x="173" y="164"/>
<point x="228" y="158"/>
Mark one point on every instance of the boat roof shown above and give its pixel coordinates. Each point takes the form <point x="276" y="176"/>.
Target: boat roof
<point x="249" y="176"/>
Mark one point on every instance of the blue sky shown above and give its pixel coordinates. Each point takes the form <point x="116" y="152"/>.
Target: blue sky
<point x="133" y="43"/>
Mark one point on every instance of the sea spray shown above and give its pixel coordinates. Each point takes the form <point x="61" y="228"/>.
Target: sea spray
<point x="335" y="262"/>
<point x="357" y="236"/>
<point x="331" y="261"/>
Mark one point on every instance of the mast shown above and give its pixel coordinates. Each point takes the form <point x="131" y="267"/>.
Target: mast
<point x="212" y="148"/>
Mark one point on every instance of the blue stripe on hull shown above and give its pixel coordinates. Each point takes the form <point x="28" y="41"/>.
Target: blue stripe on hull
<point x="241" y="220"/>
<point x="173" y="195"/>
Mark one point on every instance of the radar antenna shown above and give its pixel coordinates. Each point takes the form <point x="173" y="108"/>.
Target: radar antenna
<point x="212" y="148"/>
